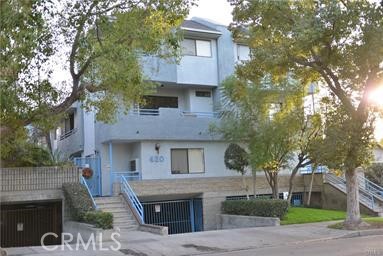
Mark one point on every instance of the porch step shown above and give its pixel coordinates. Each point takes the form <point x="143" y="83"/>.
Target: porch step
<point x="123" y="218"/>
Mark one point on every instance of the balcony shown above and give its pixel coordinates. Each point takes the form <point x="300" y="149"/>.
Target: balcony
<point x="71" y="142"/>
<point x="159" y="124"/>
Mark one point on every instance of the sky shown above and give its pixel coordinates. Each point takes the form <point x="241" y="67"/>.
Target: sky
<point x="216" y="10"/>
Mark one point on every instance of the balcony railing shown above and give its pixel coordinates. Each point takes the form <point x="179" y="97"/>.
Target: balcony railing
<point x="157" y="112"/>
<point x="128" y="175"/>
<point x="68" y="133"/>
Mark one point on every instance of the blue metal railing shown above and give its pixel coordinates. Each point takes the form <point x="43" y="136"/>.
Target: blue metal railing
<point x="129" y="193"/>
<point x="82" y="181"/>
<point x="374" y="189"/>
<point x="308" y="169"/>
<point x="365" y="196"/>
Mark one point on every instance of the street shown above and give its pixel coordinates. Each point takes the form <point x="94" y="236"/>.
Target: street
<point x="358" y="246"/>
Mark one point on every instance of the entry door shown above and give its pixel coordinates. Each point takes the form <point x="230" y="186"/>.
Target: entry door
<point x="94" y="182"/>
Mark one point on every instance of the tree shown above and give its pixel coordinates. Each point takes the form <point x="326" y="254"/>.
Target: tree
<point x="236" y="159"/>
<point x="336" y="43"/>
<point x="101" y="43"/>
<point x="266" y="120"/>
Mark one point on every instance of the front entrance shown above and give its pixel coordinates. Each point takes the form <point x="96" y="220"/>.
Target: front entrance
<point x="25" y="224"/>
<point x="180" y="216"/>
<point x="94" y="163"/>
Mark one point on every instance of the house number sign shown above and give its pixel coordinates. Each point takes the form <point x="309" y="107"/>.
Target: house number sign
<point x="157" y="159"/>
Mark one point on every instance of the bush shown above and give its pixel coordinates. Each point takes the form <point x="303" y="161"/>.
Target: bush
<point x="258" y="207"/>
<point x="100" y="219"/>
<point x="78" y="199"/>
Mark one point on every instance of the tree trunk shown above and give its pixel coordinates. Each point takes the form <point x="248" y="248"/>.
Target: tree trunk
<point x="245" y="187"/>
<point x="311" y="185"/>
<point x="291" y="184"/>
<point x="353" y="219"/>
<point x="275" y="188"/>
<point x="254" y="184"/>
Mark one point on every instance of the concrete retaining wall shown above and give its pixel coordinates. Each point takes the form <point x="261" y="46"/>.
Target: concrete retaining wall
<point x="226" y="221"/>
<point x="86" y="231"/>
<point x="212" y="190"/>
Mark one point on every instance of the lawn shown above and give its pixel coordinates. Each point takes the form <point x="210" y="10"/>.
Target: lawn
<point x="297" y="215"/>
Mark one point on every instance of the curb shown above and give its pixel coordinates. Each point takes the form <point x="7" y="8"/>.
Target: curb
<point x="368" y="232"/>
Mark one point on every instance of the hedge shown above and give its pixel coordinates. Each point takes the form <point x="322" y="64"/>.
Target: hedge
<point x="100" y="219"/>
<point x="82" y="209"/>
<point x="78" y="199"/>
<point x="258" y="207"/>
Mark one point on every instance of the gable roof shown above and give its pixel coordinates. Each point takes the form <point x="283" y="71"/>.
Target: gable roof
<point x="193" y="25"/>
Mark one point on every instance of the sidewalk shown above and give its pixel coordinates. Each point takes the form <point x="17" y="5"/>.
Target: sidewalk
<point x="138" y="243"/>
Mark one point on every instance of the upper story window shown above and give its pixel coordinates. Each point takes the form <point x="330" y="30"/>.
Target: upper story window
<point x="206" y="94"/>
<point x="156" y="102"/>
<point x="243" y="52"/>
<point x="187" y="160"/>
<point x="69" y="123"/>
<point x="195" y="47"/>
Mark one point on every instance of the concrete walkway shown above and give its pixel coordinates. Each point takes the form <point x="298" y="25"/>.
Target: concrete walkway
<point x="138" y="243"/>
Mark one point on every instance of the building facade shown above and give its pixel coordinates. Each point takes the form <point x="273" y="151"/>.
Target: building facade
<point x="168" y="138"/>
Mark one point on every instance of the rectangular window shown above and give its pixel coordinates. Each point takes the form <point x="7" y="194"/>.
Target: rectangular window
<point x="69" y="123"/>
<point x="156" y="102"/>
<point x="243" y="52"/>
<point x="206" y="94"/>
<point x="185" y="161"/>
<point x="194" y="47"/>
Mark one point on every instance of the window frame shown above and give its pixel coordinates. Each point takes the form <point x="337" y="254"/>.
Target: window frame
<point x="196" y="49"/>
<point x="187" y="159"/>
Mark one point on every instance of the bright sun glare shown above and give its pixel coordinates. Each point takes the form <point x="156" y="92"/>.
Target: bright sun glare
<point x="376" y="97"/>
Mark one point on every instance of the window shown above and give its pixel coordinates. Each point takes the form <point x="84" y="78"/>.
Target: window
<point x="69" y="123"/>
<point x="243" y="52"/>
<point x="156" y="102"/>
<point x="196" y="47"/>
<point x="185" y="161"/>
<point x="206" y="94"/>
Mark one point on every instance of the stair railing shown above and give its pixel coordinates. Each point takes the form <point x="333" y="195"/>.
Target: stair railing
<point x="83" y="181"/>
<point x="132" y="197"/>
<point x="365" y="196"/>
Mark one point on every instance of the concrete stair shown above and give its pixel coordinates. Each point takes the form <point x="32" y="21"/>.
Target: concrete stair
<point x="123" y="217"/>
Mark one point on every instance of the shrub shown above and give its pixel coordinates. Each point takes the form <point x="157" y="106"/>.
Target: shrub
<point x="79" y="201"/>
<point x="100" y="219"/>
<point x="258" y="207"/>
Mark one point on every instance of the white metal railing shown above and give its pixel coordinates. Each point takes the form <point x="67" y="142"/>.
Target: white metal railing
<point x="202" y="114"/>
<point x="371" y="187"/>
<point x="145" y="112"/>
<point x="131" y="196"/>
<point x="83" y="181"/>
<point x="129" y="175"/>
<point x="157" y="112"/>
<point x="365" y="196"/>
<point x="68" y="133"/>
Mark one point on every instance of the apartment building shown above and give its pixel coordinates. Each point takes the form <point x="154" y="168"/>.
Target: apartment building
<point x="164" y="149"/>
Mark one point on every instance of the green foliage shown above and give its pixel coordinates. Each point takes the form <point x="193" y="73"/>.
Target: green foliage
<point x="335" y="43"/>
<point x="25" y="154"/>
<point x="298" y="215"/>
<point x="258" y="207"/>
<point x="78" y="199"/>
<point x="375" y="173"/>
<point x="236" y="158"/>
<point x="100" y="219"/>
<point x="102" y="43"/>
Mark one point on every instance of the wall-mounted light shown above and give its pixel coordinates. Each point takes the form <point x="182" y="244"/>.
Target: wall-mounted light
<point x="157" y="147"/>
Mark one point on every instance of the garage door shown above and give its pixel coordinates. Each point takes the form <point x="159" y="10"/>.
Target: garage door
<point x="25" y="224"/>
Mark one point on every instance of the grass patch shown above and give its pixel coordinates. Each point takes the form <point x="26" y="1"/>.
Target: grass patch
<point x="298" y="215"/>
